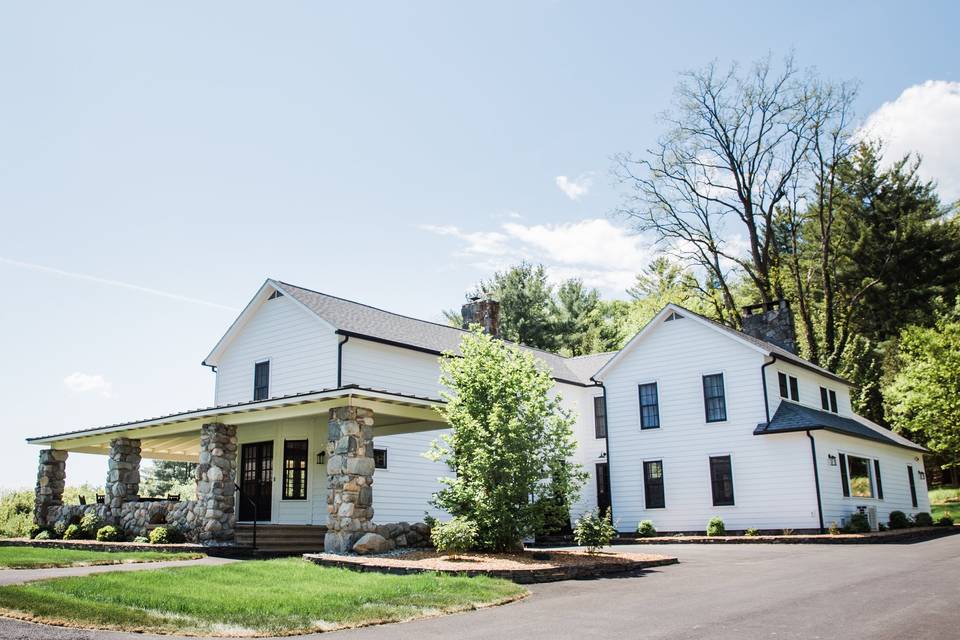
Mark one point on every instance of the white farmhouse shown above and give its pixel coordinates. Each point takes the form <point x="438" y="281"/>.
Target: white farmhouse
<point x="323" y="407"/>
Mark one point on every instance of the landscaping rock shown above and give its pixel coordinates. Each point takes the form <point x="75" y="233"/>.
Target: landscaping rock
<point x="371" y="543"/>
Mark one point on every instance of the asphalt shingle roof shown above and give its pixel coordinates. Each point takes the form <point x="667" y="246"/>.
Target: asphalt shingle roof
<point x="362" y="319"/>
<point x="791" y="417"/>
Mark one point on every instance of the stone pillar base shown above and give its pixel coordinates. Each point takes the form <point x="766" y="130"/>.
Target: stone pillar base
<point x="349" y="478"/>
<point x="123" y="478"/>
<point x="215" y="483"/>
<point x="51" y="478"/>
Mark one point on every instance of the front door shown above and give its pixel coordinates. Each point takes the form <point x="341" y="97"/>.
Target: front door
<point x="603" y="487"/>
<point x="256" y="481"/>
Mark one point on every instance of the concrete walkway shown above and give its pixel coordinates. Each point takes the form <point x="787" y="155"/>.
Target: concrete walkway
<point x="881" y="592"/>
<point x="19" y="576"/>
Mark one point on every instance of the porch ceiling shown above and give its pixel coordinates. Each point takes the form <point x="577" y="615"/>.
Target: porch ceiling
<point x="176" y="436"/>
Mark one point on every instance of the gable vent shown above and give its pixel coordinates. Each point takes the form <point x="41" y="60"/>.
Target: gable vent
<point x="673" y="316"/>
<point x="275" y="294"/>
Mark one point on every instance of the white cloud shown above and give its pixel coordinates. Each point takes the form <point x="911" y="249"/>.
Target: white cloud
<point x="924" y="119"/>
<point x="575" y="188"/>
<point x="602" y="254"/>
<point x="88" y="383"/>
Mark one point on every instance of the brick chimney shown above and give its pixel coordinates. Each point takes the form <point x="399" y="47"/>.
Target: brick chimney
<point x="772" y="322"/>
<point x="484" y="311"/>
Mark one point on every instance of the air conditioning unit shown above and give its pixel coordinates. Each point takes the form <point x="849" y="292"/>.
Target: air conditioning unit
<point x="871" y="513"/>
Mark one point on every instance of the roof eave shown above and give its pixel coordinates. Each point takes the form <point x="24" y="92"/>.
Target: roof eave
<point x="761" y="431"/>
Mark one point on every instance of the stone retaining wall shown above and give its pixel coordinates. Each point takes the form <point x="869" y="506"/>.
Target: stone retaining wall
<point x="136" y="517"/>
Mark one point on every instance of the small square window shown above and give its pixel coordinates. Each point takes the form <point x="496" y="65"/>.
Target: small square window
<point x="379" y="458"/>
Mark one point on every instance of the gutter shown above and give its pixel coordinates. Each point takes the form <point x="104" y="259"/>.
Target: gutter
<point x="816" y="477"/>
<point x="606" y="438"/>
<point x="763" y="379"/>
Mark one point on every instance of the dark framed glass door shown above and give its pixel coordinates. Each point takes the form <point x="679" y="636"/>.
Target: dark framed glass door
<point x="256" y="480"/>
<point x="603" y="487"/>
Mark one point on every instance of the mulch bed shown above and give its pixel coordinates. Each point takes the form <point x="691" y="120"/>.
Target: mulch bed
<point x="876" y="537"/>
<point x="523" y="568"/>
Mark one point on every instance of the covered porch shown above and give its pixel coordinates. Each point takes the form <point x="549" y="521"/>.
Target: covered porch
<point x="305" y="460"/>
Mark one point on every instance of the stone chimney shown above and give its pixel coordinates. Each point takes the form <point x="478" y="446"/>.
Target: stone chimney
<point x="484" y="311"/>
<point x="772" y="322"/>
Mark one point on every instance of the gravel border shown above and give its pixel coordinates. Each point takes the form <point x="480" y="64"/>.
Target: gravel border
<point x="603" y="565"/>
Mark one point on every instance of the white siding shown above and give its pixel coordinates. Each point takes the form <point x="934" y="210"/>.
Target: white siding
<point x="379" y="366"/>
<point x="808" y="383"/>
<point x="893" y="476"/>
<point x="772" y="476"/>
<point x="402" y="491"/>
<point x="590" y="449"/>
<point x="301" y="349"/>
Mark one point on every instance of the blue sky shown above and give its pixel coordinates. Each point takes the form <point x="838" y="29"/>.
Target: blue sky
<point x="388" y="154"/>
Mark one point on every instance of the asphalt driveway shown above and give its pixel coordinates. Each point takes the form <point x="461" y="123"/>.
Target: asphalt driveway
<point x="718" y="591"/>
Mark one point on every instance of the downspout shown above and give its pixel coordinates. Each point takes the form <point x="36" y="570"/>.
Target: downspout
<point x="606" y="439"/>
<point x="763" y="379"/>
<point x="816" y="477"/>
<point x="340" y="361"/>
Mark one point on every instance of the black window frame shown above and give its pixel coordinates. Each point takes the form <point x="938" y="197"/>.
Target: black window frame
<point x="870" y="476"/>
<point x="654" y="496"/>
<point x="707" y="398"/>
<point x="782" y="381"/>
<point x="834" y="408"/>
<point x="794" y="389"/>
<point x="261" y="383"/>
<point x="913" y="487"/>
<point x="720" y="499"/>
<point x="600" y="417"/>
<point x="295" y="484"/>
<point x="378" y="451"/>
<point x="646" y="423"/>
<point x="824" y="399"/>
<point x="877" y="481"/>
<point x="844" y="480"/>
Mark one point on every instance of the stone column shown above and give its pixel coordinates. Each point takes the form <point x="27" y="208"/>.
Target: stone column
<point x="51" y="477"/>
<point x="349" y="478"/>
<point x="215" y="483"/>
<point x="123" y="479"/>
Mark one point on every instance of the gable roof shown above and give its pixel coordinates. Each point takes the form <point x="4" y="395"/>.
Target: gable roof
<point x="761" y="346"/>
<point x="349" y="318"/>
<point x="791" y="417"/>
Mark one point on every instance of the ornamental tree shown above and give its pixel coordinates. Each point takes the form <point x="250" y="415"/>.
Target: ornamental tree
<point x="510" y="442"/>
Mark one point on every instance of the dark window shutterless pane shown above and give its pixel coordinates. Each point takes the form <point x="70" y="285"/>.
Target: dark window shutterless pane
<point x="261" y="381"/>
<point x="794" y="389"/>
<point x="721" y="480"/>
<point x="859" y="477"/>
<point x="824" y="401"/>
<point x="295" y="470"/>
<point x="649" y="406"/>
<point x="833" y="401"/>
<point x="714" y="402"/>
<point x="379" y="458"/>
<point x="600" y="417"/>
<point x="782" y="377"/>
<point x="653" y="484"/>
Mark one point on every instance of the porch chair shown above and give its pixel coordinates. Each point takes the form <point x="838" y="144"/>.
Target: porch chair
<point x="83" y="501"/>
<point x="101" y="499"/>
<point x="173" y="497"/>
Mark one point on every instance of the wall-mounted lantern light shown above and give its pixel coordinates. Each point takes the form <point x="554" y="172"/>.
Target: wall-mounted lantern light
<point x="922" y="475"/>
<point x="833" y="460"/>
<point x="321" y="457"/>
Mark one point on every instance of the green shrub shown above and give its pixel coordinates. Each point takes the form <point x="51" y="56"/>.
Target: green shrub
<point x="109" y="533"/>
<point x="90" y="523"/>
<point x="142" y="540"/>
<point x="946" y="520"/>
<point x="456" y="536"/>
<point x="594" y="530"/>
<point x="881" y="526"/>
<point x="716" y="527"/>
<point x="645" y="529"/>
<point x="923" y="519"/>
<point x="899" y="520"/>
<point x="59" y="528"/>
<point x="787" y="532"/>
<point x="752" y="532"/>
<point x="43" y="535"/>
<point x="35" y="530"/>
<point x="858" y="523"/>
<point x="16" y="514"/>
<point x="73" y="532"/>
<point x="834" y="528"/>
<point x="166" y="535"/>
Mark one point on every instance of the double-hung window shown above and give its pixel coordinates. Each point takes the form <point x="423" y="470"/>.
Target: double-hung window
<point x="721" y="480"/>
<point x="789" y="387"/>
<point x="715" y="403"/>
<point x="653" y="484"/>
<point x="261" y="380"/>
<point x="295" y="470"/>
<point x="859" y="477"/>
<point x="828" y="399"/>
<point x="600" y="417"/>
<point x="649" y="406"/>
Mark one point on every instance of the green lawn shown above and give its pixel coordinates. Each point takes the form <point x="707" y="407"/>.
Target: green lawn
<point x="248" y="598"/>
<point x="945" y="500"/>
<point x="42" y="557"/>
